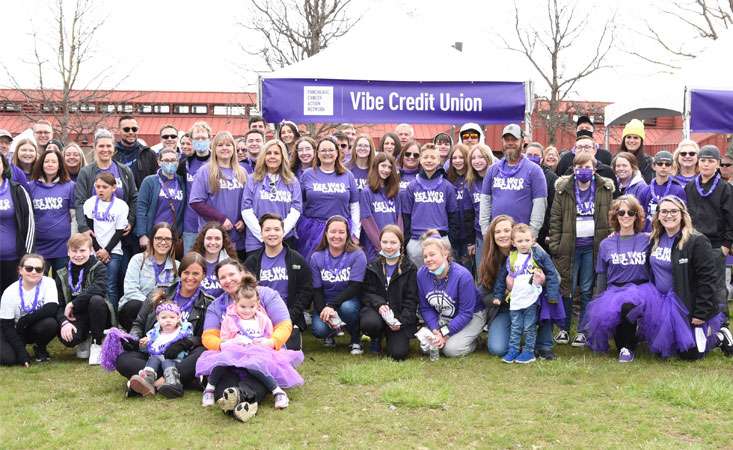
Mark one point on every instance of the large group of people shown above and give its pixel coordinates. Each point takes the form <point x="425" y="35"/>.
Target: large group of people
<point x="201" y="262"/>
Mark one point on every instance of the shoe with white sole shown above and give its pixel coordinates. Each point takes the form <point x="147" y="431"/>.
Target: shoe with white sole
<point x="82" y="350"/>
<point x="281" y="399"/>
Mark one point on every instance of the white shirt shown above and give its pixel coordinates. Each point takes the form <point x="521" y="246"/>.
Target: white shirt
<point x="524" y="292"/>
<point x="250" y="327"/>
<point x="105" y="229"/>
<point x="10" y="302"/>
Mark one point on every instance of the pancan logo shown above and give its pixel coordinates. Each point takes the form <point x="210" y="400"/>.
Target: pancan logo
<point x="318" y="100"/>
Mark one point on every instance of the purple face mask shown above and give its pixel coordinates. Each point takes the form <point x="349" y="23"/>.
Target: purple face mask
<point x="584" y="174"/>
<point x="534" y="158"/>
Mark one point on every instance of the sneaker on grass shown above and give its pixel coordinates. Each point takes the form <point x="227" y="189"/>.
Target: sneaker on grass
<point x="546" y="354"/>
<point x="525" y="358"/>
<point x="355" y="349"/>
<point x="208" y="398"/>
<point x="726" y="341"/>
<point x="625" y="355"/>
<point x="579" y="340"/>
<point x="329" y="342"/>
<point x="562" y="337"/>
<point x="510" y="356"/>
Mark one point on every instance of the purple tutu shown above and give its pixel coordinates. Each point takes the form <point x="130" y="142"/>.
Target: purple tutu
<point x="554" y="312"/>
<point x="603" y="314"/>
<point x="277" y="364"/>
<point x="310" y="233"/>
<point x="665" y="325"/>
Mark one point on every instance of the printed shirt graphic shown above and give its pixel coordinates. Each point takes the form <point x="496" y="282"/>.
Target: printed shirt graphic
<point x="334" y="273"/>
<point x="274" y="274"/>
<point x="513" y="195"/>
<point x="429" y="202"/>
<point x="661" y="263"/>
<point x="226" y="200"/>
<point x="623" y="259"/>
<point x="51" y="205"/>
<point x="328" y="194"/>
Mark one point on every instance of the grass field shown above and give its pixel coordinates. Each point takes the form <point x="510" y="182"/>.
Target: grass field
<point x="581" y="400"/>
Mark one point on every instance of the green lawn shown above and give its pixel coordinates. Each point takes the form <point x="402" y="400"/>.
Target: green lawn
<point x="580" y="400"/>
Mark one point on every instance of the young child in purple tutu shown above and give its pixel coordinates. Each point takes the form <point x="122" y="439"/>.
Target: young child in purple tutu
<point x="169" y="328"/>
<point x="529" y="274"/>
<point x="246" y="332"/>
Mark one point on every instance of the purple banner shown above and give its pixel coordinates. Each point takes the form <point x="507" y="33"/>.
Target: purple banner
<point x="309" y="100"/>
<point x="711" y="111"/>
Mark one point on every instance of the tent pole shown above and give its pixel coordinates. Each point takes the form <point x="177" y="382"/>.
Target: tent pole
<point x="259" y="95"/>
<point x="607" y="138"/>
<point x="528" y="108"/>
<point x="686" y="114"/>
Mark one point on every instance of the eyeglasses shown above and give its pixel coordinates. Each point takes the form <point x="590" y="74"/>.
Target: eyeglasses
<point x="412" y="155"/>
<point x="623" y="212"/>
<point x="241" y="150"/>
<point x="327" y="150"/>
<point x="130" y="129"/>
<point x="303" y="149"/>
<point x="168" y="136"/>
<point x="343" y="145"/>
<point x="163" y="239"/>
<point x="30" y="269"/>
<point x="663" y="163"/>
<point x="584" y="147"/>
<point x="726" y="165"/>
<point x="669" y="212"/>
<point x="688" y="153"/>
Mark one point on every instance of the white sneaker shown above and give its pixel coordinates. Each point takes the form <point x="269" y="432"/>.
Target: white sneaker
<point x="579" y="340"/>
<point x="82" y="350"/>
<point x="208" y="398"/>
<point x="281" y="399"/>
<point x="95" y="354"/>
<point x="356" y="349"/>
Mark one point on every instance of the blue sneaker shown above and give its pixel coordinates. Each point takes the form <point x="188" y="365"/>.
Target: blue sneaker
<point x="525" y="358"/>
<point x="510" y="356"/>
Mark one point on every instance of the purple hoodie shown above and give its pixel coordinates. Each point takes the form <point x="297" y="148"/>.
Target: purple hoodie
<point x="450" y="301"/>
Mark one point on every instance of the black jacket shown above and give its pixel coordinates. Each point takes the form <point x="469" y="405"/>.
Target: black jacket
<point x="300" y="282"/>
<point x="141" y="160"/>
<point x="25" y="236"/>
<point x="145" y="319"/>
<point x="401" y="294"/>
<point x="712" y="215"/>
<point x="94" y="283"/>
<point x="694" y="275"/>
<point x="551" y="178"/>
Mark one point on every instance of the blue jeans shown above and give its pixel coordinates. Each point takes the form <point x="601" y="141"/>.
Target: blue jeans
<point x="583" y="270"/>
<point x="114" y="269"/>
<point x="57" y="263"/>
<point x="349" y="313"/>
<point x="188" y="240"/>
<point x="497" y="342"/>
<point x="158" y="363"/>
<point x="524" y="321"/>
<point x="479" y="248"/>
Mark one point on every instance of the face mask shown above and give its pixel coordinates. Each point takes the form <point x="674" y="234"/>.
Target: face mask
<point x="439" y="271"/>
<point x="392" y="256"/>
<point x="584" y="174"/>
<point x="534" y="158"/>
<point x="201" y="147"/>
<point x="169" y="168"/>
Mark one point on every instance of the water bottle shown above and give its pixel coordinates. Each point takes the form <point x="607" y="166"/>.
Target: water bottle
<point x="434" y="353"/>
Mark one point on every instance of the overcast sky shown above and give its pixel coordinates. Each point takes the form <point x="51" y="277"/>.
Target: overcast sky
<point x="194" y="45"/>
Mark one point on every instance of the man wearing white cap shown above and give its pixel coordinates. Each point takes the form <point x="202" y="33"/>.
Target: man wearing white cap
<point x="515" y="186"/>
<point x="5" y="139"/>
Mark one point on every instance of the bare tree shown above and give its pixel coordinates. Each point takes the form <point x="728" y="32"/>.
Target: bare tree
<point x="75" y="108"/>
<point x="548" y="50"/>
<point x="695" y="20"/>
<point x="292" y="30"/>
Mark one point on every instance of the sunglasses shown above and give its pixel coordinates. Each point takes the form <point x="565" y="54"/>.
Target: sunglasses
<point x="663" y="163"/>
<point x="688" y="153"/>
<point x="470" y="135"/>
<point x="412" y="155"/>
<point x="726" y="164"/>
<point x="30" y="269"/>
<point x="167" y="136"/>
<point x="130" y="129"/>
<point x="623" y="212"/>
<point x="343" y="145"/>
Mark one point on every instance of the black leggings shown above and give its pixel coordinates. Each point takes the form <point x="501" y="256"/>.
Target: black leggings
<point x="132" y="362"/>
<point x="8" y="273"/>
<point x="252" y="389"/>
<point x="625" y="335"/>
<point x="40" y="333"/>
<point x="128" y="313"/>
<point x="219" y="372"/>
<point x="92" y="322"/>
<point x="398" y="342"/>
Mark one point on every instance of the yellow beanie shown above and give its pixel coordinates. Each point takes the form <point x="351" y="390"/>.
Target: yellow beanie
<point x="635" y="127"/>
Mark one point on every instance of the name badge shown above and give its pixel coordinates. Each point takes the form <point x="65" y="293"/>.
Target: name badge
<point x="585" y="226"/>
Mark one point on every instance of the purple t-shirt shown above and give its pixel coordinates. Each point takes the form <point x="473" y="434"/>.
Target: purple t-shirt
<point x="170" y="193"/>
<point x="226" y="200"/>
<point x="51" y="204"/>
<point x="274" y="274"/>
<point x="623" y="259"/>
<point x="636" y="189"/>
<point x="449" y="301"/>
<point x="270" y="300"/>
<point x="683" y="180"/>
<point x="407" y="176"/>
<point x="586" y="201"/>
<point x="361" y="176"/>
<point x="429" y="202"/>
<point x="328" y="194"/>
<point x="210" y="284"/>
<point x="649" y="199"/>
<point x="263" y="198"/>
<point x="334" y="273"/>
<point x="190" y="217"/>
<point x="385" y="211"/>
<point x="8" y="227"/>
<point x="114" y="170"/>
<point x="513" y="188"/>
<point x="474" y="191"/>
<point x="661" y="263"/>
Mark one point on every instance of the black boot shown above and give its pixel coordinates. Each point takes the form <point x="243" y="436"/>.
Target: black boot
<point x="172" y="388"/>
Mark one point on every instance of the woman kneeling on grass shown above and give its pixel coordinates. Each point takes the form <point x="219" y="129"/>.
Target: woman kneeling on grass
<point x="390" y="296"/>
<point x="682" y="318"/>
<point x="237" y="392"/>
<point x="338" y="266"/>
<point x="188" y="295"/>
<point x="28" y="314"/>
<point x="449" y="301"/>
